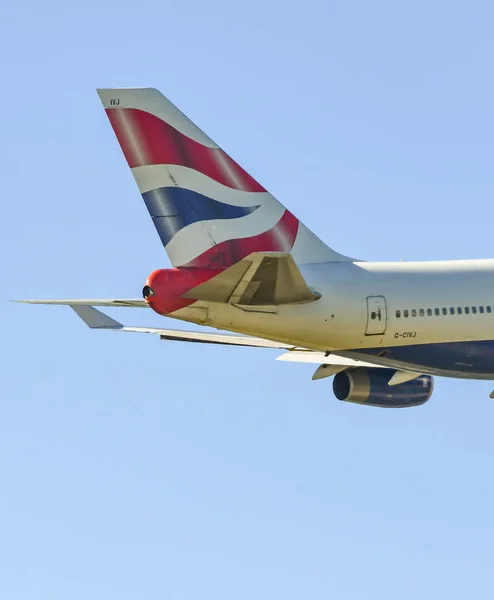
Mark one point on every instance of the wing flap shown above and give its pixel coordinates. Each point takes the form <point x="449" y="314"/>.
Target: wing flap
<point x="323" y="358"/>
<point x="323" y="371"/>
<point x="330" y="364"/>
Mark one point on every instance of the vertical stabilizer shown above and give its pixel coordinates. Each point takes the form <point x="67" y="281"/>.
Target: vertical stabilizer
<point x="207" y="210"/>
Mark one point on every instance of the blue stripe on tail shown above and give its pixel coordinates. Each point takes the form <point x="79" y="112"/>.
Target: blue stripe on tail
<point x="173" y="208"/>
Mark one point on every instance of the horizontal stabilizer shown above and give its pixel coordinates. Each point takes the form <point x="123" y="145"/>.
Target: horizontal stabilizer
<point x="95" y="319"/>
<point x="111" y="302"/>
<point x="260" y="279"/>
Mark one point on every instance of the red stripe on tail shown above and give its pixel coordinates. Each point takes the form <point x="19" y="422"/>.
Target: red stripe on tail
<point x="147" y="140"/>
<point x="225" y="254"/>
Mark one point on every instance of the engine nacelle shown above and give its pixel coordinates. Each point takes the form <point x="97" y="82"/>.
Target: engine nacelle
<point x="370" y="386"/>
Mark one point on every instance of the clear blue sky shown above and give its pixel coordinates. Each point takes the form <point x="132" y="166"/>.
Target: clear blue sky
<point x="133" y="469"/>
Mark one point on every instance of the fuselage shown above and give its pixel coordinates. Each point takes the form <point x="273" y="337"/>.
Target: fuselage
<point x="436" y="317"/>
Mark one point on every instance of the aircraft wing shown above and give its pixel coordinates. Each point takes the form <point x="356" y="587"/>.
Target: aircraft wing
<point x="329" y="364"/>
<point x="95" y="319"/>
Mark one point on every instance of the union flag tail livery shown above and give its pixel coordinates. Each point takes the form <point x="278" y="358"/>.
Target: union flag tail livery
<point x="208" y="211"/>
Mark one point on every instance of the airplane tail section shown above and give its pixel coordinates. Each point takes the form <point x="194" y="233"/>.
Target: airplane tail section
<point x="208" y="211"/>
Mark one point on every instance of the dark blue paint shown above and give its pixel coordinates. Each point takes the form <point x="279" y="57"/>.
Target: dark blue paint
<point x="173" y="208"/>
<point x="370" y="386"/>
<point x="468" y="358"/>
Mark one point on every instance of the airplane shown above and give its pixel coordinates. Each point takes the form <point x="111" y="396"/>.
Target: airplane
<point x="244" y="264"/>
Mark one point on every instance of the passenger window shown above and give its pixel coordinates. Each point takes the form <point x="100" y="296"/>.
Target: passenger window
<point x="421" y="312"/>
<point x="488" y="309"/>
<point x="451" y="311"/>
<point x="414" y="313"/>
<point x="429" y="312"/>
<point x="405" y="313"/>
<point x="445" y="311"/>
<point x="398" y="314"/>
<point x="436" y="311"/>
<point x="474" y="310"/>
<point x="460" y="310"/>
<point x="481" y="309"/>
<point x="467" y="310"/>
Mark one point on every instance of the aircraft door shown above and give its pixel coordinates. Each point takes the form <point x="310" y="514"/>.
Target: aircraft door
<point x="376" y="315"/>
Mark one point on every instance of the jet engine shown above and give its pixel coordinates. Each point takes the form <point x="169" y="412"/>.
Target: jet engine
<point x="370" y="386"/>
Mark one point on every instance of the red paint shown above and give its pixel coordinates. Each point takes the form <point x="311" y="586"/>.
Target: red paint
<point x="169" y="285"/>
<point x="147" y="140"/>
<point x="279" y="238"/>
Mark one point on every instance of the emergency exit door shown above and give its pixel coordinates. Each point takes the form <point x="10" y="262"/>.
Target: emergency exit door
<point x="376" y="315"/>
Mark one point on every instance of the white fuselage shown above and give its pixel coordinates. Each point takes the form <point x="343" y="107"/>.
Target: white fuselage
<point x="372" y="305"/>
